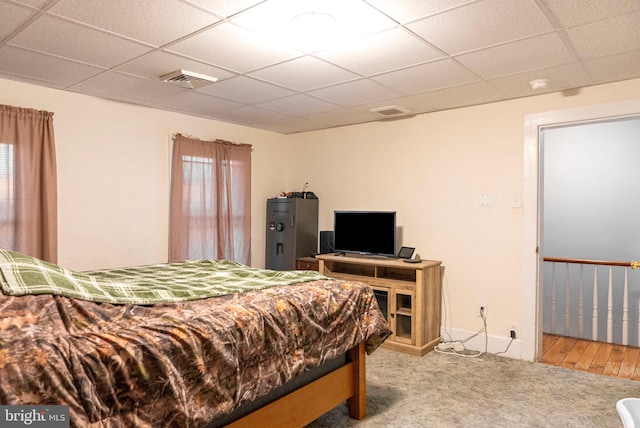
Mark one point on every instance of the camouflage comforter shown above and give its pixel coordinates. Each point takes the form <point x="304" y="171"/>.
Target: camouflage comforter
<point x="176" y="364"/>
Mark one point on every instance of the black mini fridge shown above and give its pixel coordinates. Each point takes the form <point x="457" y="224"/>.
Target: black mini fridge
<point x="292" y="231"/>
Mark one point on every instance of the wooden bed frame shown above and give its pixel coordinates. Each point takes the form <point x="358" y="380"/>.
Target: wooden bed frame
<point x="306" y="404"/>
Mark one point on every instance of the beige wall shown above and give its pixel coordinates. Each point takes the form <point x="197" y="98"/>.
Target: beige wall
<point x="113" y="161"/>
<point x="431" y="169"/>
<point x="113" y="174"/>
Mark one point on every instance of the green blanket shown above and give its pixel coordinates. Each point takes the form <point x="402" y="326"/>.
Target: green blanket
<point x="162" y="283"/>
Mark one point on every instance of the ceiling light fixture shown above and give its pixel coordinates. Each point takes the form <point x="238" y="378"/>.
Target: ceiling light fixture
<point x="539" y="84"/>
<point x="312" y="25"/>
<point x="315" y="30"/>
<point x="314" y="20"/>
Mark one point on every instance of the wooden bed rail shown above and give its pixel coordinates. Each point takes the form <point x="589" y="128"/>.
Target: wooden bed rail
<point x="306" y="404"/>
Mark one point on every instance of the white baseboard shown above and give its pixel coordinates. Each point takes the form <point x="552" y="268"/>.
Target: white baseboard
<point x="494" y="343"/>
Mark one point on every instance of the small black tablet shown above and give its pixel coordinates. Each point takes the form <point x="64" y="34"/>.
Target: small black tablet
<point x="406" y="252"/>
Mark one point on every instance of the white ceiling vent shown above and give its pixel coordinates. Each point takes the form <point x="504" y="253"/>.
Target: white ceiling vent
<point x="188" y="79"/>
<point x="389" y="111"/>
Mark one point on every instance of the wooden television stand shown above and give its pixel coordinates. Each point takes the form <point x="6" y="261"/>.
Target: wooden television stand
<point x="409" y="295"/>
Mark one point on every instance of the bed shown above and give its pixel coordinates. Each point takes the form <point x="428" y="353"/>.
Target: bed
<point x="183" y="344"/>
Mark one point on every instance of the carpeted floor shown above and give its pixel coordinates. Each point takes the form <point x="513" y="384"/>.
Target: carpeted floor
<point x="440" y="390"/>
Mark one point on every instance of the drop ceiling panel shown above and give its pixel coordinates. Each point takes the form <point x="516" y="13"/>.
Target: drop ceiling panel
<point x="485" y="23"/>
<point x="298" y="105"/>
<point x="421" y="78"/>
<point x="570" y="13"/>
<point x="354" y="93"/>
<point x="233" y="48"/>
<point x="405" y="11"/>
<point x="304" y="74"/>
<point x="524" y="55"/>
<point x="196" y="103"/>
<point x="290" y="125"/>
<point x="245" y="90"/>
<point x="33" y="80"/>
<point x="69" y="40"/>
<point x="607" y="37"/>
<point x="57" y="71"/>
<point x="614" y="67"/>
<point x="13" y="16"/>
<point x="164" y="20"/>
<point x="131" y="87"/>
<point x="33" y="3"/>
<point x="442" y="99"/>
<point x="457" y="96"/>
<point x="381" y="52"/>
<point x="343" y="116"/>
<point x="253" y="114"/>
<point x="224" y="8"/>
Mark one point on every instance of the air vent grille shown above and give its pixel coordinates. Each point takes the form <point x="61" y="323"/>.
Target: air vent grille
<point x="188" y="79"/>
<point x="388" y="111"/>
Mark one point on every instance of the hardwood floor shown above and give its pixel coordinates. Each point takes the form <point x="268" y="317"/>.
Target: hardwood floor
<point x="593" y="357"/>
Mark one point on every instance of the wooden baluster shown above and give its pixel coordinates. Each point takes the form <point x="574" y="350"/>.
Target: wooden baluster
<point x="567" y="303"/>
<point x="625" y="309"/>
<point x="581" y="305"/>
<point x="623" y="316"/>
<point x="638" y="344"/>
<point x="553" y="298"/>
<point x="594" y="316"/>
<point x="610" y="308"/>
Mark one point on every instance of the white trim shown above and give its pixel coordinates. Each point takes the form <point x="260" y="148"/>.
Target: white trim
<point x="531" y="326"/>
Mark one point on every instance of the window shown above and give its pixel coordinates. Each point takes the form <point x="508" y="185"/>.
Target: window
<point x="210" y="201"/>
<point x="7" y="196"/>
<point x="198" y="204"/>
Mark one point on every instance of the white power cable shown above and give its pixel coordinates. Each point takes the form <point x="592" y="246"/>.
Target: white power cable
<point x="458" y="349"/>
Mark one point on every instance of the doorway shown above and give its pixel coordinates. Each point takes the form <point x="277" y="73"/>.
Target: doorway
<point x="533" y="205"/>
<point x="589" y="211"/>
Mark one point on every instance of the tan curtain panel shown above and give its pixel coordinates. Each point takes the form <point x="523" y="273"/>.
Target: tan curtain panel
<point x="210" y="215"/>
<point x="28" y="184"/>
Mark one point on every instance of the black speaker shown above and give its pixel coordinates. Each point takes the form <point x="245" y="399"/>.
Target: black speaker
<point x="326" y="241"/>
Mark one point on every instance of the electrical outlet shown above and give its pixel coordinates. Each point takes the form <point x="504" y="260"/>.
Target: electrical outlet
<point x="482" y="310"/>
<point x="485" y="199"/>
<point x="514" y="330"/>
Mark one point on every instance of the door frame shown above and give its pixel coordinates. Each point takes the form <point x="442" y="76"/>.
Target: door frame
<point x="531" y="309"/>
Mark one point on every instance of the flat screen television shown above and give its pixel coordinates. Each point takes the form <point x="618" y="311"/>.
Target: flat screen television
<point x="365" y="232"/>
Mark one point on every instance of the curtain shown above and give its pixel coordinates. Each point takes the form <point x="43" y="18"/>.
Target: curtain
<point x="28" y="188"/>
<point x="210" y="213"/>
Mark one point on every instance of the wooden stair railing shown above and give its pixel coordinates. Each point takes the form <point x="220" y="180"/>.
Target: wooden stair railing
<point x="610" y="305"/>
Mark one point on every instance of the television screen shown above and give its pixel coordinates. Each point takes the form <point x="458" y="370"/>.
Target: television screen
<point x="365" y="232"/>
